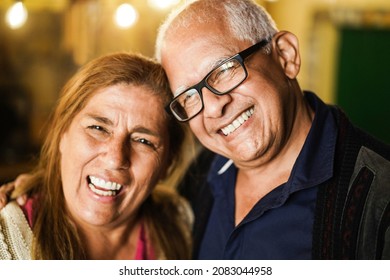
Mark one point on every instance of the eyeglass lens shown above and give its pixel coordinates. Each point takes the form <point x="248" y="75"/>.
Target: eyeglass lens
<point x="221" y="80"/>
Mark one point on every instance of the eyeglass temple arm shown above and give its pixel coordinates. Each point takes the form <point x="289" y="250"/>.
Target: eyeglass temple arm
<point x="245" y="53"/>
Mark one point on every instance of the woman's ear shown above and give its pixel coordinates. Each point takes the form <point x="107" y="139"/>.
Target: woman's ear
<point x="61" y="145"/>
<point x="286" y="48"/>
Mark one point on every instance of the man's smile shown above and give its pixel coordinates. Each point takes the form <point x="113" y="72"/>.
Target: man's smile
<point x="230" y="128"/>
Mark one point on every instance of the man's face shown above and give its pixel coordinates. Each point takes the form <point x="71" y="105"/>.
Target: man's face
<point x="251" y="123"/>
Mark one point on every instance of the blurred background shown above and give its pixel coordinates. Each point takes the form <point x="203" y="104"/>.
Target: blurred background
<point x="345" y="51"/>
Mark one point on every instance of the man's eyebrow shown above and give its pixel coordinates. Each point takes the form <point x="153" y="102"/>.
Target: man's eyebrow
<point x="100" y="119"/>
<point x="218" y="62"/>
<point x="179" y="90"/>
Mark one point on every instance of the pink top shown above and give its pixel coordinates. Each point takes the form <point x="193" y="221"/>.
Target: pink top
<point x="28" y="211"/>
<point x="142" y="251"/>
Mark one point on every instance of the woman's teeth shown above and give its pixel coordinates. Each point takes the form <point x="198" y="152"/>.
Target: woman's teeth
<point x="238" y="122"/>
<point x="102" y="187"/>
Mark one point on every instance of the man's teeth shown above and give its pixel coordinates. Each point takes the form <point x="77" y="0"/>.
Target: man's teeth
<point x="238" y="122"/>
<point x="104" y="188"/>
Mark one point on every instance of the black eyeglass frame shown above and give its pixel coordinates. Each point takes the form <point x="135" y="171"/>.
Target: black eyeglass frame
<point x="240" y="57"/>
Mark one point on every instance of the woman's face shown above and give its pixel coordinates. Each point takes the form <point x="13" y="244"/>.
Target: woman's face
<point x="113" y="154"/>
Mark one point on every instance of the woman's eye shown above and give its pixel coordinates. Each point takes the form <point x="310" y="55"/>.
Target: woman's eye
<point x="97" y="127"/>
<point x="97" y="131"/>
<point x="145" y="142"/>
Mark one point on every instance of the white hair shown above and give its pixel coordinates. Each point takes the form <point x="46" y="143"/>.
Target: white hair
<point x="246" y="20"/>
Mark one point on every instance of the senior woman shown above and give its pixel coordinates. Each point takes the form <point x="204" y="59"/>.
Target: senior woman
<point x="93" y="194"/>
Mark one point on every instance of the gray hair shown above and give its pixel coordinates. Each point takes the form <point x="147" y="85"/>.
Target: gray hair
<point x="246" y="20"/>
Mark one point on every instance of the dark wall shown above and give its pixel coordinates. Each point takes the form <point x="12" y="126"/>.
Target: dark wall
<point x="363" y="86"/>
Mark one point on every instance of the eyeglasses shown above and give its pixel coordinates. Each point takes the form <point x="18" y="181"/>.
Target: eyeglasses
<point x="228" y="75"/>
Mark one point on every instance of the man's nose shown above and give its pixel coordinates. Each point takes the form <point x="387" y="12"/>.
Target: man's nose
<point x="214" y="105"/>
<point x="117" y="154"/>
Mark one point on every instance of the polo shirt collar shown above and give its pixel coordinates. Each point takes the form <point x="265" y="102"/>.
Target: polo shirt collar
<point x="314" y="164"/>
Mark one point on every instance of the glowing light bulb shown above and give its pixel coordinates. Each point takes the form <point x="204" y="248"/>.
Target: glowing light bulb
<point x="16" y="15"/>
<point x="126" y="16"/>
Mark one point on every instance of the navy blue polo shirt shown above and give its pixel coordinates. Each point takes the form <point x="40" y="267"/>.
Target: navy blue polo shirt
<point x="280" y="225"/>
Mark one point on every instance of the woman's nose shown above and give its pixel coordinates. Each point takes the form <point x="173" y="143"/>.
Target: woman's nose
<point x="117" y="154"/>
<point x="214" y="105"/>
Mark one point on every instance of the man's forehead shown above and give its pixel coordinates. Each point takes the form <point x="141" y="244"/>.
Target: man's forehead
<point x="191" y="62"/>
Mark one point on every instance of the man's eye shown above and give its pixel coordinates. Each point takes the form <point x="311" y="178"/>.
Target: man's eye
<point x="226" y="69"/>
<point x="224" y="72"/>
<point x="191" y="98"/>
<point x="189" y="94"/>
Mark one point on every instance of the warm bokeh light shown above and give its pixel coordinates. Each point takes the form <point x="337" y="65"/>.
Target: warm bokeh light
<point x="162" y="4"/>
<point x="16" y="15"/>
<point x="126" y="16"/>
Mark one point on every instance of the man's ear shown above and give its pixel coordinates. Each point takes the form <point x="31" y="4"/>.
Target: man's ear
<point x="286" y="48"/>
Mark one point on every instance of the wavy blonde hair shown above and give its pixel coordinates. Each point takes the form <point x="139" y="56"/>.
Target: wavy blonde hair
<point x="56" y="236"/>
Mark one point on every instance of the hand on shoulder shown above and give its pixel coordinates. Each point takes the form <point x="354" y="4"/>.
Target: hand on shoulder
<point x="7" y="189"/>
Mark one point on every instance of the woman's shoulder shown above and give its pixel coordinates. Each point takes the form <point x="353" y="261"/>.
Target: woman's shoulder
<point x="15" y="233"/>
<point x="170" y="216"/>
<point x="173" y="204"/>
